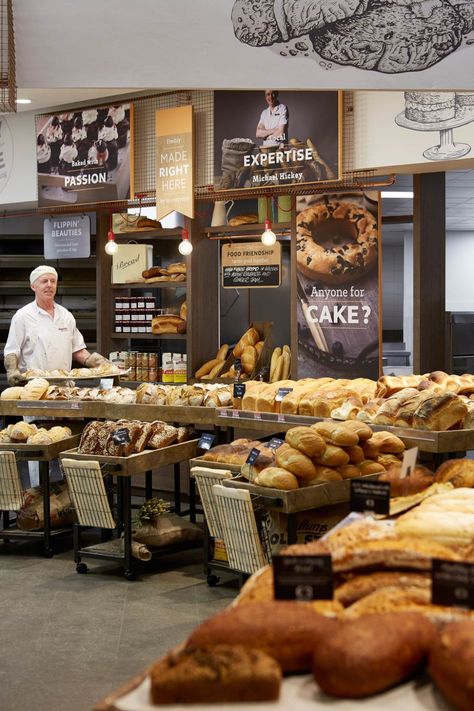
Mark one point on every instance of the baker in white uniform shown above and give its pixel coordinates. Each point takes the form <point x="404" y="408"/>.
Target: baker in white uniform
<point x="44" y="334"/>
<point x="273" y="123"/>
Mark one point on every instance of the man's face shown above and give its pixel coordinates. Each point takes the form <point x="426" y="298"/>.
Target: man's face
<point x="45" y="287"/>
<point x="271" y="97"/>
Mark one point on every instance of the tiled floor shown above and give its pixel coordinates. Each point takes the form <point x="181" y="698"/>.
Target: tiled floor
<point x="70" y="639"/>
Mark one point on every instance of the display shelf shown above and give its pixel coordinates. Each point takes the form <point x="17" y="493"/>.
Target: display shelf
<point x="150" y="234"/>
<point x="32" y="260"/>
<point x="144" y="285"/>
<point x="245" y="229"/>
<point x="148" y="336"/>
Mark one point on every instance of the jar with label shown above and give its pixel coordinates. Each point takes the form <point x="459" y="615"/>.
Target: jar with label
<point x="153" y="375"/>
<point x="125" y="302"/>
<point x="152" y="360"/>
<point x="167" y="368"/>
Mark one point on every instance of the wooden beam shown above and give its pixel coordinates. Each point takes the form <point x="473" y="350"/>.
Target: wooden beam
<point x="397" y="219"/>
<point x="429" y="272"/>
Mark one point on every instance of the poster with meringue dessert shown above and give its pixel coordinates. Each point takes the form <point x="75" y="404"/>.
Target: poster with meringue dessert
<point x="338" y="287"/>
<point x="84" y="155"/>
<point x="272" y="137"/>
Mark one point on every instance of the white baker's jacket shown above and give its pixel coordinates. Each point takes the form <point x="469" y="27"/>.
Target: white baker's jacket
<point x="42" y="341"/>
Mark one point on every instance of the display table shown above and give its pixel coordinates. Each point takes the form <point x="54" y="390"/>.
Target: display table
<point x="43" y="454"/>
<point x="124" y="468"/>
<point x="299" y="693"/>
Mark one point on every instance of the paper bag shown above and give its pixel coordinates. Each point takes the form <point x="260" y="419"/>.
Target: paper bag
<point x="130" y="261"/>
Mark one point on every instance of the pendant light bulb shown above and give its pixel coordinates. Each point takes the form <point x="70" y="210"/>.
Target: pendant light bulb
<point x="268" y="236"/>
<point x="111" y="246"/>
<point x="185" y="247"/>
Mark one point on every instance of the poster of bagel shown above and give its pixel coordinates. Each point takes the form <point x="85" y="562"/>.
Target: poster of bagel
<point x="338" y="289"/>
<point x="84" y="155"/>
<point x="267" y="138"/>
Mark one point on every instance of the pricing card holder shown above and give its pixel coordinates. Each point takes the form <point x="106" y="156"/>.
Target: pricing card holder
<point x="253" y="456"/>
<point x="206" y="440"/>
<point x="239" y="390"/>
<point x="121" y="436"/>
<point x="306" y="577"/>
<point x="370" y="496"/>
<point x="281" y="393"/>
<point x="275" y="443"/>
<point x="452" y="584"/>
<point x="408" y="462"/>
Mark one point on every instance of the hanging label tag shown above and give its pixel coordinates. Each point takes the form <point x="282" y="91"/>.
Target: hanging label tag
<point x="239" y="390"/>
<point x="281" y="418"/>
<point x="452" y="584"/>
<point x="253" y="456"/>
<point x="281" y="393"/>
<point x="235" y="413"/>
<point x="305" y="577"/>
<point x="121" y="436"/>
<point x="206" y="440"/>
<point x="275" y="443"/>
<point x="408" y="462"/>
<point x="106" y="383"/>
<point x="257" y="416"/>
<point x="371" y="496"/>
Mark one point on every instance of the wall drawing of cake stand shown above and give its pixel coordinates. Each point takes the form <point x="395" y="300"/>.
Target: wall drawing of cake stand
<point x="447" y="148"/>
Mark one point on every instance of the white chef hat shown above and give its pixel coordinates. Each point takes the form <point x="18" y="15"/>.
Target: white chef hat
<point x="39" y="271"/>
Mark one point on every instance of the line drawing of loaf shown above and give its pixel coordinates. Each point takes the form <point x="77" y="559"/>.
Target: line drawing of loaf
<point x="387" y="36"/>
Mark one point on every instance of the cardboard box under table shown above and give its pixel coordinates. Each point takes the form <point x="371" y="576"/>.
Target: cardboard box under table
<point x="124" y="468"/>
<point x="43" y="454"/>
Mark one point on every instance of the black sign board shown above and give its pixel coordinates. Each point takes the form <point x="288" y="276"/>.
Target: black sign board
<point x="282" y="392"/>
<point x="206" y="440"/>
<point x="257" y="275"/>
<point x="252" y="458"/>
<point x="67" y="237"/>
<point x="452" y="584"/>
<point x="275" y="443"/>
<point x="302" y="577"/>
<point x="239" y="390"/>
<point x="121" y="436"/>
<point x="373" y="496"/>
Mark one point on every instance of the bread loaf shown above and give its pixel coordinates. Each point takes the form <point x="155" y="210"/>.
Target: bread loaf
<point x="332" y="457"/>
<point x="451" y="664"/>
<point x="35" y="389"/>
<point x="250" y="338"/>
<point x="306" y="440"/>
<point x="221" y="673"/>
<point x="286" y="630"/>
<point x="419" y="480"/>
<point x="207" y="367"/>
<point x="296" y="462"/>
<point x="382" y="442"/>
<point x="249" y="359"/>
<point x="336" y="433"/>
<point x="322" y="474"/>
<point x="369" y="466"/>
<point x="13" y="393"/>
<point x="460" y="472"/>
<point x="360" y="586"/>
<point x="440" y="413"/>
<point x="349" y="471"/>
<point x="243" y="220"/>
<point x="355" y="660"/>
<point x="21" y="431"/>
<point x="168" y="323"/>
<point x="276" y="478"/>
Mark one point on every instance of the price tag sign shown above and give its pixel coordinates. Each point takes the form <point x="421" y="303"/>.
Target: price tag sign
<point x="408" y="462"/>
<point x="281" y="418"/>
<point x="370" y="496"/>
<point x="275" y="443"/>
<point x="206" y="440"/>
<point x="235" y="413"/>
<point x="106" y="383"/>
<point x="452" y="584"/>
<point x="305" y="577"/>
<point x="239" y="390"/>
<point x="222" y="413"/>
<point x="253" y="456"/>
<point x="281" y="393"/>
<point x="121" y="436"/>
<point x="257" y="416"/>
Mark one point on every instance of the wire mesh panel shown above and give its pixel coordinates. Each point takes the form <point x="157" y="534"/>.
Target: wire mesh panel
<point x="205" y="481"/>
<point x="239" y="528"/>
<point x="11" y="491"/>
<point x="87" y="490"/>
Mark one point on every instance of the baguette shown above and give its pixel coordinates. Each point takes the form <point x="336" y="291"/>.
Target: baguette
<point x="222" y="352"/>
<point x="250" y="338"/>
<point x="286" y="362"/>
<point x="207" y="367"/>
<point x="279" y="369"/>
<point x="273" y="363"/>
<point x="216" y="370"/>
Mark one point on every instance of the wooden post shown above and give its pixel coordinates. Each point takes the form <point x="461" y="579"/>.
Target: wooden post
<point x="429" y="273"/>
<point x="104" y="294"/>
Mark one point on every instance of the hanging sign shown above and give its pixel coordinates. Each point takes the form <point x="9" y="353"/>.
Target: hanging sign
<point x="338" y="285"/>
<point x="174" y="161"/>
<point x="84" y="155"/>
<point x="251" y="264"/>
<point x="67" y="237"/>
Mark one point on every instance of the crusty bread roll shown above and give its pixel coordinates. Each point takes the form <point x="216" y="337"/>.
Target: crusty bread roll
<point x="243" y="220"/>
<point x="336" y="433"/>
<point x="361" y="429"/>
<point x="276" y="478"/>
<point x="451" y="663"/>
<point x="249" y="338"/>
<point x="332" y="457"/>
<point x="355" y="660"/>
<point x="369" y="466"/>
<point x="306" y="440"/>
<point x="286" y="630"/>
<point x="419" y="480"/>
<point x="356" y="454"/>
<point x="349" y="471"/>
<point x="382" y="442"/>
<point x="221" y="673"/>
<point x="360" y="586"/>
<point x="35" y="389"/>
<point x="259" y="347"/>
<point x="20" y="431"/>
<point x="13" y="393"/>
<point x="40" y="437"/>
<point x="296" y="462"/>
<point x="177" y="268"/>
<point x="323" y="474"/>
<point x="440" y="413"/>
<point x="460" y="472"/>
<point x="168" y="323"/>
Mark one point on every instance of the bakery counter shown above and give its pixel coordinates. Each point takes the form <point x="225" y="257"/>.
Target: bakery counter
<point x="42" y="453"/>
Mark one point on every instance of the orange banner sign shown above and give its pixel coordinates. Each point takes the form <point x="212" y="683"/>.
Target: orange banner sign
<point x="174" y="161"/>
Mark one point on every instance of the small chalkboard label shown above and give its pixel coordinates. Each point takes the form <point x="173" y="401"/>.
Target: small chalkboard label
<point x="251" y="264"/>
<point x="238" y="367"/>
<point x="372" y="496"/>
<point x="206" y="440"/>
<point x="121" y="436"/>
<point x="302" y="577"/>
<point x="253" y="456"/>
<point x="275" y="443"/>
<point x="281" y="393"/>
<point x="239" y="390"/>
<point x="452" y="584"/>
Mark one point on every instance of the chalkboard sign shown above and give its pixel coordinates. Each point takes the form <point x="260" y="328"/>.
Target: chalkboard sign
<point x="250" y="265"/>
<point x="67" y="237"/>
<point x="302" y="577"/>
